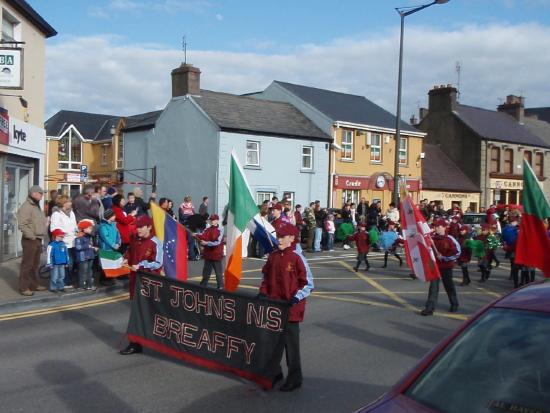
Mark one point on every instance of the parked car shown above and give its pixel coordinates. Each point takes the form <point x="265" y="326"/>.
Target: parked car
<point x="497" y="361"/>
<point x="471" y="218"/>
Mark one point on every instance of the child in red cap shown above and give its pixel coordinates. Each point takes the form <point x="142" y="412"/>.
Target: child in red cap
<point x="212" y="242"/>
<point x="58" y="259"/>
<point x="362" y="242"/>
<point x="85" y="254"/>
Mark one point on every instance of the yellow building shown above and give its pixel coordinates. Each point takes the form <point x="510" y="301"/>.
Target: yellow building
<point x="82" y="148"/>
<point x="363" y="160"/>
<point x="363" y="151"/>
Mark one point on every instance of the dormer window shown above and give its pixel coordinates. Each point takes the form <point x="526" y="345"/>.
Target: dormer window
<point x="70" y="151"/>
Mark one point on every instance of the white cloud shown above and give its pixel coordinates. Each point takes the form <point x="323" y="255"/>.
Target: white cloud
<point x="219" y="17"/>
<point x="100" y="74"/>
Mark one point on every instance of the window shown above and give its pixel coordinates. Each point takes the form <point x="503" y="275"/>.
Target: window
<point x="539" y="164"/>
<point x="351" y="195"/>
<point x="264" y="196"/>
<point x="307" y="157"/>
<point x="252" y="153"/>
<point x="495" y="159"/>
<point x="104" y="152"/>
<point x="528" y="155"/>
<point x="288" y="196"/>
<point x="347" y="145"/>
<point x="376" y="147"/>
<point x="403" y="158"/>
<point x="120" y="152"/>
<point x="9" y="24"/>
<point x="70" y="151"/>
<point x="508" y="161"/>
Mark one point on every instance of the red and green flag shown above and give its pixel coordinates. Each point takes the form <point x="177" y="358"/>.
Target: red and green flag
<point x="533" y="247"/>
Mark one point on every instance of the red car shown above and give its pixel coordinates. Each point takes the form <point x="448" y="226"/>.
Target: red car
<point x="496" y="362"/>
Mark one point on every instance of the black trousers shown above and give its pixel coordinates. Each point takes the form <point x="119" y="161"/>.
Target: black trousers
<point x="210" y="265"/>
<point x="514" y="272"/>
<point x="292" y="351"/>
<point x="362" y="256"/>
<point x="447" y="278"/>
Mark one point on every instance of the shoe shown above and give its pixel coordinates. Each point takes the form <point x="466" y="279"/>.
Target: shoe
<point x="40" y="288"/>
<point x="426" y="312"/>
<point x="27" y="293"/>
<point x="355" y="269"/>
<point x="68" y="287"/>
<point x="290" y="386"/>
<point x="277" y="379"/>
<point x="414" y="277"/>
<point x="453" y="309"/>
<point x="133" y="348"/>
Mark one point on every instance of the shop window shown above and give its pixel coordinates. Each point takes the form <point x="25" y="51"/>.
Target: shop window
<point x="70" y="151"/>
<point x="508" y="161"/>
<point x="347" y="145"/>
<point x="495" y="159"/>
<point x="307" y="158"/>
<point x="376" y="147"/>
<point x="539" y="164"/>
<point x="350" y="195"/>
<point x="252" y="153"/>
<point x="403" y="144"/>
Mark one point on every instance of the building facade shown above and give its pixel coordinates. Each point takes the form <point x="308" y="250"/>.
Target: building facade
<point x="190" y="144"/>
<point x="489" y="146"/>
<point x="22" y="135"/>
<point x="81" y="148"/>
<point x="362" y="155"/>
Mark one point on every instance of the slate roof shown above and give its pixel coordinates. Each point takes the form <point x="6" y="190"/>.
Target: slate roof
<point x="439" y="172"/>
<point x="345" y="107"/>
<point x="93" y="126"/>
<point x="498" y="126"/>
<point x="142" y="121"/>
<point x="247" y="114"/>
<point x="539" y="128"/>
<point x="23" y="7"/>
<point x="542" y="113"/>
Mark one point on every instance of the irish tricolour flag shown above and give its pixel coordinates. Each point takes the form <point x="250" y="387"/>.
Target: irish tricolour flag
<point x="533" y="246"/>
<point x="111" y="264"/>
<point x="241" y="209"/>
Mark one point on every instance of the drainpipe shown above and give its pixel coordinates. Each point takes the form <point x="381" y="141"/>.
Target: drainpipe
<point x="332" y="168"/>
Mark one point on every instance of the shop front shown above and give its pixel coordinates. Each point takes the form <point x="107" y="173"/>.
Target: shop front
<point x="505" y="191"/>
<point x="374" y="188"/>
<point x="445" y="199"/>
<point x="22" y="154"/>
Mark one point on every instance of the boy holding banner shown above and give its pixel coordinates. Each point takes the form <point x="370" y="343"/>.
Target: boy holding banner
<point x="285" y="277"/>
<point x="144" y="253"/>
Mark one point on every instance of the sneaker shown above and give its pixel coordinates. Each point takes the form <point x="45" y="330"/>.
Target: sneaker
<point x="40" y="288"/>
<point x="426" y="312"/>
<point x="27" y="293"/>
<point x="68" y="287"/>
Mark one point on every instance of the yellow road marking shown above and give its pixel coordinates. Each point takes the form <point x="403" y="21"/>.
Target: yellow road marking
<point x="68" y="307"/>
<point x="379" y="287"/>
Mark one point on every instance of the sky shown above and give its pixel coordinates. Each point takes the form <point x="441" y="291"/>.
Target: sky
<point x="115" y="56"/>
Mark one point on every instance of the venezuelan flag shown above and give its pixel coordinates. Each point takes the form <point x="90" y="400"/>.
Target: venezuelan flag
<point x="174" y="243"/>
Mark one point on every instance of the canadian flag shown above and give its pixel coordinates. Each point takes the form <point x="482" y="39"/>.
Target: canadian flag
<point x="419" y="247"/>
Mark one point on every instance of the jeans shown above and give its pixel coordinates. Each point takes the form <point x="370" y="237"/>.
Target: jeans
<point x="71" y="268"/>
<point x="57" y="275"/>
<point x="330" y="241"/>
<point x="191" y="253"/>
<point x="85" y="275"/>
<point x="317" y="239"/>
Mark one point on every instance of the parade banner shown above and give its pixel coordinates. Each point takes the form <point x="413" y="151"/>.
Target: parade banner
<point x="210" y="328"/>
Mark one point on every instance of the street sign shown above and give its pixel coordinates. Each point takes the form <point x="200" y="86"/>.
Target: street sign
<point x="83" y="173"/>
<point x="73" y="177"/>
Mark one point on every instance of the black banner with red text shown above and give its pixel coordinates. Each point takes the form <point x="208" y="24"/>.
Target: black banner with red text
<point x="207" y="327"/>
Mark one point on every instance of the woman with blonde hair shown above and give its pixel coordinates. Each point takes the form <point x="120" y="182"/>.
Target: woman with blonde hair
<point x="63" y="218"/>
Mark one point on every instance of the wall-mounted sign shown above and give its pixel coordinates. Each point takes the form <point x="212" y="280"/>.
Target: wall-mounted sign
<point x="11" y="64"/>
<point x="350" y="182"/>
<point x="4" y="127"/>
<point x="23" y="135"/>
<point x="506" y="183"/>
<point x="380" y="181"/>
<point x="83" y="173"/>
<point x="71" y="177"/>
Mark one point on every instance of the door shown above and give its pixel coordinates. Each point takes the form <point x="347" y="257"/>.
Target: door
<point x="17" y="181"/>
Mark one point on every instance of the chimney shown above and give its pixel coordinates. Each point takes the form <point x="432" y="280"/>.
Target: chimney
<point x="422" y="113"/>
<point x="186" y="80"/>
<point x="442" y="98"/>
<point x="514" y="106"/>
<point x="413" y="121"/>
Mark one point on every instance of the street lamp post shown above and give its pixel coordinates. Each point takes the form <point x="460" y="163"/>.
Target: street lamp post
<point x="403" y="12"/>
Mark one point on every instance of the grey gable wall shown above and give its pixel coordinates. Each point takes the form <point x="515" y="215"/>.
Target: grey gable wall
<point x="280" y="94"/>
<point x="184" y="147"/>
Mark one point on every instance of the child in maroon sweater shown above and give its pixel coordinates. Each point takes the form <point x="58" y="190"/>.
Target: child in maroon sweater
<point x="361" y="238"/>
<point x="212" y="242"/>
